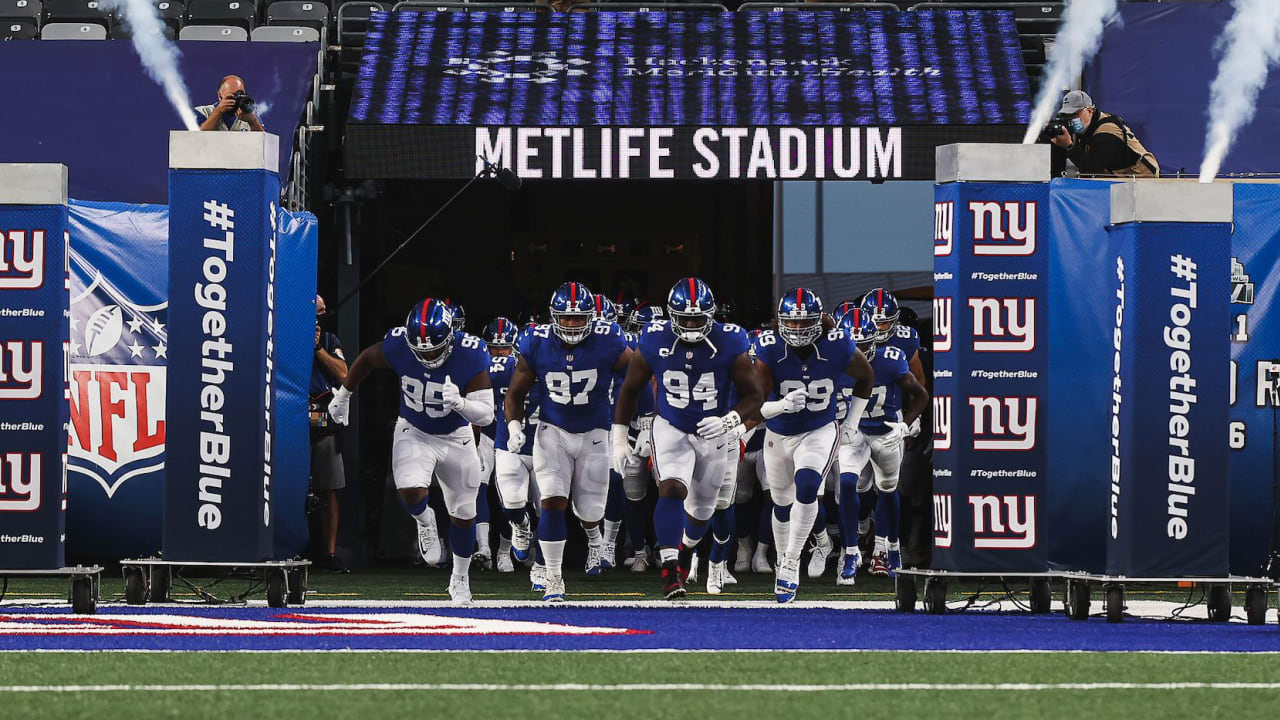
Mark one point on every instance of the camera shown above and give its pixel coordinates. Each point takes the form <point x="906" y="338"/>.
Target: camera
<point x="243" y="102"/>
<point x="1054" y="128"/>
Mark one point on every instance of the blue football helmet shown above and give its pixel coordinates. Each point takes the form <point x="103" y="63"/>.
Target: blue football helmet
<point x="799" y="316"/>
<point x="605" y="309"/>
<point x="429" y="330"/>
<point x="572" y="301"/>
<point x="726" y="310"/>
<point x="625" y="307"/>
<point x="459" y="314"/>
<point x="858" y="325"/>
<point x="882" y="306"/>
<point x="642" y="316"/>
<point x="501" y="333"/>
<point x="692" y="307"/>
<point x="843" y="309"/>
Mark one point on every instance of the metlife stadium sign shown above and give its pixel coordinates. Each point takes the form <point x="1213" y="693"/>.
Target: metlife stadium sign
<point x="822" y="94"/>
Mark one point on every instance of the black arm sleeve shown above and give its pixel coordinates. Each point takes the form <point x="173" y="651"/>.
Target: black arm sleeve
<point x="1100" y="153"/>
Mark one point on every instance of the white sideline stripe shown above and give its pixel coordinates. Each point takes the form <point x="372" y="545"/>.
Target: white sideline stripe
<point x="644" y="687"/>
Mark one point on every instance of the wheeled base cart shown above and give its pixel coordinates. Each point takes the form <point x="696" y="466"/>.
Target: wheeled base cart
<point x="936" y="584"/>
<point x="1078" y="591"/>
<point x="86" y="584"/>
<point x="152" y="579"/>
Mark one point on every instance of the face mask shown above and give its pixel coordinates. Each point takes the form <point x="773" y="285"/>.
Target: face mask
<point x="1077" y="126"/>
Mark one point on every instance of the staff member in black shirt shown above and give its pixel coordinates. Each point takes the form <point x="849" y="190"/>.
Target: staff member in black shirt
<point x="1098" y="143"/>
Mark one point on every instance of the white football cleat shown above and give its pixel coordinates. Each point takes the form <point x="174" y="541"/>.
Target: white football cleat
<point x="787" y="579"/>
<point x="538" y="577"/>
<point x="743" y="561"/>
<point x="692" y="577"/>
<point x="818" y="559"/>
<point x="594" y="555"/>
<point x="504" y="563"/>
<point x="554" y="592"/>
<point x="521" y="541"/>
<point x="459" y="590"/>
<point x="850" y="561"/>
<point x="760" y="561"/>
<point x="429" y="546"/>
<point x="716" y="573"/>
<point x="725" y="577"/>
<point x="639" y="562"/>
<point x="608" y="554"/>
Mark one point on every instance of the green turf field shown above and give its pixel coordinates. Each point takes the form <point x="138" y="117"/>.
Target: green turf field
<point x="807" y="669"/>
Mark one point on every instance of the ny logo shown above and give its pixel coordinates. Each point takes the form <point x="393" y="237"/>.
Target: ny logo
<point x="21" y="265"/>
<point x="1003" y="229"/>
<point x="1003" y="324"/>
<point x="942" y="324"/>
<point x="941" y="520"/>
<point x="19" y="482"/>
<point x="943" y="228"/>
<point x="21" y="362"/>
<point x="1008" y="525"/>
<point x="1004" y="423"/>
<point x="941" y="422"/>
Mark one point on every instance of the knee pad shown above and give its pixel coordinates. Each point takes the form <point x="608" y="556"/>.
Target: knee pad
<point x="808" y="483"/>
<point x="887" y="483"/>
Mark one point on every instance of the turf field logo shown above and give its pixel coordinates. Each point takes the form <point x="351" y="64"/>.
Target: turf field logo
<point x="1004" y="423"/>
<point x="941" y="422"/>
<point x="944" y="216"/>
<point x="1003" y="229"/>
<point x="942" y="324"/>
<point x="20" y="482"/>
<point x="1003" y="324"/>
<point x="1003" y="522"/>
<point x="21" y="260"/>
<point x="21" y="365"/>
<point x="942" y="520"/>
<point x="500" y="66"/>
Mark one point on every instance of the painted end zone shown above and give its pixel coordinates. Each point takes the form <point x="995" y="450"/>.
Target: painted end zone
<point x="604" y="628"/>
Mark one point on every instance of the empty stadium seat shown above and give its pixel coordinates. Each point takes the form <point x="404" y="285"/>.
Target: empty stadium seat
<point x="19" y="28"/>
<point x="298" y="13"/>
<point x="325" y="3"/>
<point x="73" y="31"/>
<point x="214" y="32"/>
<point x="284" y="33"/>
<point x="171" y="13"/>
<point x="77" y="11"/>
<point x="13" y="9"/>
<point x="238" y="13"/>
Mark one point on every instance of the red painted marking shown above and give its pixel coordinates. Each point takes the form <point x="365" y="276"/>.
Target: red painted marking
<point x="880" y="299"/>
<point x="799" y="298"/>
<point x="693" y="292"/>
<point x="422" y="320"/>
<point x="502" y="324"/>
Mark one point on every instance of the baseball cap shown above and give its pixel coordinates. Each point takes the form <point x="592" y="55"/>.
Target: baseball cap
<point x="1075" y="101"/>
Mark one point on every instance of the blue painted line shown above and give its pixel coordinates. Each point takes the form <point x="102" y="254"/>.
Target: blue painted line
<point x="697" y="628"/>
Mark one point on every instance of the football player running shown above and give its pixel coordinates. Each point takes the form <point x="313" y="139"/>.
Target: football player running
<point x="636" y="477"/>
<point x="500" y="336"/>
<point x="802" y="374"/>
<point x="695" y="360"/>
<point x="574" y="359"/>
<point x="614" y="507"/>
<point x="433" y="434"/>
<point x="897" y="401"/>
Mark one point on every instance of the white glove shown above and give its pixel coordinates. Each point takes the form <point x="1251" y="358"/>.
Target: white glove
<point x="619" y="447"/>
<point x="792" y="402"/>
<point x="736" y="432"/>
<point x="851" y="434"/>
<point x="914" y="429"/>
<point x="515" y="436"/>
<point x="340" y="405"/>
<point x="897" y="431"/>
<point x="451" y="395"/>
<point x="713" y="427"/>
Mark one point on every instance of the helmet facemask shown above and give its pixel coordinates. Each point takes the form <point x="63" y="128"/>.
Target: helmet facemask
<point x="690" y="326"/>
<point x="571" y="334"/>
<point x="799" y="329"/>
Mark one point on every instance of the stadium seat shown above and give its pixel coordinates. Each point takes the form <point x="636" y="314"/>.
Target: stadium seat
<point x="239" y="13"/>
<point x="13" y="9"/>
<point x="170" y="12"/>
<point x="19" y="28"/>
<point x="214" y="32"/>
<point x="298" y="13"/>
<point x="73" y="31"/>
<point x="77" y="11"/>
<point x="325" y="3"/>
<point x="284" y="33"/>
<point x="353" y="22"/>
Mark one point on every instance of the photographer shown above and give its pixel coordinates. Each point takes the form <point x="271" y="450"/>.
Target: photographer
<point x="1096" y="142"/>
<point x="234" y="110"/>
<point x="328" y="371"/>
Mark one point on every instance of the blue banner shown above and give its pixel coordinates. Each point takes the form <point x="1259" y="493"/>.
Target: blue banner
<point x="990" y="376"/>
<point x="1168" y="492"/>
<point x="33" y="407"/>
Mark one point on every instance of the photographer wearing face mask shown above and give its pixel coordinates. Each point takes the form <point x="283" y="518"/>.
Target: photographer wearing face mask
<point x="1096" y="142"/>
<point x="234" y="110"/>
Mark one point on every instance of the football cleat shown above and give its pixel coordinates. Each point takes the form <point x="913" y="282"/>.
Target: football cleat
<point x="538" y="578"/>
<point x="482" y="559"/>
<point x="715" y="578"/>
<point x="504" y="563"/>
<point x="608" y="554"/>
<point x="893" y="561"/>
<point x="760" y="561"/>
<point x="639" y="562"/>
<point x="880" y="564"/>
<point x="691" y="576"/>
<point x="521" y="541"/>
<point x="554" y="591"/>
<point x="787" y="580"/>
<point x="429" y="546"/>
<point x="743" y="562"/>
<point x="594" y="555"/>
<point x="850" y="560"/>
<point x="459" y="590"/>
<point x="725" y="577"/>
<point x="688" y="562"/>
<point x="672" y="585"/>
<point x="822" y="551"/>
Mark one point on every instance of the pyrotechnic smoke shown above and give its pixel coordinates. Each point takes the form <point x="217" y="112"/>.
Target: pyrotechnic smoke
<point x="1252" y="47"/>
<point x="1077" y="41"/>
<point x="159" y="54"/>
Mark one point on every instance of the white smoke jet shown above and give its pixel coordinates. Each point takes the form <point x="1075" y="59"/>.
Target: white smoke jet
<point x="159" y="54"/>
<point x="1252" y="42"/>
<point x="1078" y="39"/>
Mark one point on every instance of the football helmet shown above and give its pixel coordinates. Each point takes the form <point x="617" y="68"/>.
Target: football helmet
<point x="643" y="315"/>
<point x="692" y="307"/>
<point x="726" y="310"/>
<point x="570" y="304"/>
<point x="882" y="306"/>
<point x="501" y="333"/>
<point x="459" y="314"/>
<point x="843" y="309"/>
<point x="799" y="317"/>
<point x="625" y="307"/>
<point x="605" y="309"/>
<point x="858" y="325"/>
<point x="429" y="331"/>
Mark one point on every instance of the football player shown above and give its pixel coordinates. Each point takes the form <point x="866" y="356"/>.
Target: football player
<point x="893" y="415"/>
<point x="802" y="373"/>
<point x="884" y="310"/>
<point x="607" y="312"/>
<point x="636" y="477"/>
<point x="433" y="434"/>
<point x="695" y="360"/>
<point x="459" y="314"/>
<point x="574" y="359"/>
<point x="500" y="336"/>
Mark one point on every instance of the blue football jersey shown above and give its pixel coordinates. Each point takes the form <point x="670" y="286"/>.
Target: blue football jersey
<point x="906" y="339"/>
<point x="645" y="400"/>
<point x="575" y="380"/>
<point x="420" y="386"/>
<point x="501" y="372"/>
<point x="818" y="373"/>
<point x="885" y="404"/>
<point x="693" y="378"/>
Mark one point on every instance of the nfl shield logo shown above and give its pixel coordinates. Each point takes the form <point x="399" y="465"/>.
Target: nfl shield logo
<point x="688" y="355"/>
<point x="569" y="358"/>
